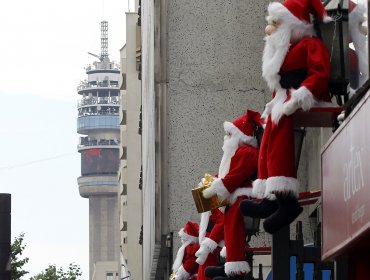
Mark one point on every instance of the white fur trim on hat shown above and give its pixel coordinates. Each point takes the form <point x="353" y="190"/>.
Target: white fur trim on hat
<point x="223" y="252"/>
<point x="246" y="139"/>
<point x="187" y="237"/>
<point x="235" y="268"/>
<point x="277" y="10"/>
<point x="220" y="188"/>
<point x="182" y="274"/>
<point x="209" y="244"/>
<point x="281" y="184"/>
<point x="259" y="188"/>
<point x="239" y="192"/>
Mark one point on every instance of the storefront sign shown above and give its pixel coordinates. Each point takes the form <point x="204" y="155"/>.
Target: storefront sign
<point x="345" y="166"/>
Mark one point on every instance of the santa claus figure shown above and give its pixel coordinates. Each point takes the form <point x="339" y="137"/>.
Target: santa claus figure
<point x="211" y="240"/>
<point x="184" y="266"/>
<point x="234" y="183"/>
<point x="296" y="67"/>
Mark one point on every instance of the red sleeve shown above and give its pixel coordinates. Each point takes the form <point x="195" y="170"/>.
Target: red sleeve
<point x="243" y="165"/>
<point x="188" y="262"/>
<point x="318" y="69"/>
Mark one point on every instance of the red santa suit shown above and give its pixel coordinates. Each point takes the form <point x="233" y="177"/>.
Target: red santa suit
<point x="298" y="72"/>
<point x="296" y="66"/>
<point x="238" y="165"/>
<point x="185" y="265"/>
<point x="211" y="236"/>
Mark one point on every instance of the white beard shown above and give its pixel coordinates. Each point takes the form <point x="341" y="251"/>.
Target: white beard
<point x="276" y="48"/>
<point x="231" y="144"/>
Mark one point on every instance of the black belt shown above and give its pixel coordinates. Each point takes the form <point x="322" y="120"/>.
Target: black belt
<point x="292" y="79"/>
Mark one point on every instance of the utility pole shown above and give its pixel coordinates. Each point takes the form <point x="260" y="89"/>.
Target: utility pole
<point x="5" y="230"/>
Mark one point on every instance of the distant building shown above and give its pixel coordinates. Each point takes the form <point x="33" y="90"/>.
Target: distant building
<point x="98" y="124"/>
<point x="130" y="181"/>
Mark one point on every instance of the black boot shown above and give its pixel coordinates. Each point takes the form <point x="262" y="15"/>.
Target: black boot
<point x="289" y="210"/>
<point x="229" y="278"/>
<point x="214" y="271"/>
<point x="261" y="209"/>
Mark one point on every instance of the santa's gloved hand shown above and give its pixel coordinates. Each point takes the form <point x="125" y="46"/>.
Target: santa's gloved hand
<point x="267" y="111"/>
<point x="209" y="192"/>
<point x="202" y="254"/>
<point x="290" y="106"/>
<point x="182" y="274"/>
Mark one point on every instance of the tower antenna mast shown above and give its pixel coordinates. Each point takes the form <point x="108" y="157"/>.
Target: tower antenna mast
<point x="104" y="40"/>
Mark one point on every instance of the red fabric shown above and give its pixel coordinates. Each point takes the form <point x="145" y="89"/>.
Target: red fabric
<point x="277" y="151"/>
<point x="212" y="260"/>
<point x="191" y="228"/>
<point x="245" y="122"/>
<point x="188" y="261"/>
<point x="311" y="54"/>
<point x="243" y="165"/>
<point x="235" y="233"/>
<point x="302" y="9"/>
<point x="217" y="235"/>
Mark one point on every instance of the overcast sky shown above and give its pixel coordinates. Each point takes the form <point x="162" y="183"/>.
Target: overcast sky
<point x="43" y="51"/>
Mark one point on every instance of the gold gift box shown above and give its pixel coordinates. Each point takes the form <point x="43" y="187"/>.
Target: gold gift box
<point x="203" y="204"/>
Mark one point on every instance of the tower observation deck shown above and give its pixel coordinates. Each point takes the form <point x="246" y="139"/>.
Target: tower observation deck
<point x="98" y="125"/>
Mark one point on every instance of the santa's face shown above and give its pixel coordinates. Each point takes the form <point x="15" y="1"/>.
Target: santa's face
<point x="231" y="143"/>
<point x="272" y="26"/>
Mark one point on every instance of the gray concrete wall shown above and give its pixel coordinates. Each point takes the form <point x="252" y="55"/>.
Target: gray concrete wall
<point x="214" y="74"/>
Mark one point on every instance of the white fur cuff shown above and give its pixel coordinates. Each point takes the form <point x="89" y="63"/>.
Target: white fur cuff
<point x="239" y="192"/>
<point x="305" y="98"/>
<point x="235" y="268"/>
<point x="259" y="188"/>
<point x="220" y="188"/>
<point x="223" y="252"/>
<point x="209" y="244"/>
<point x="281" y="184"/>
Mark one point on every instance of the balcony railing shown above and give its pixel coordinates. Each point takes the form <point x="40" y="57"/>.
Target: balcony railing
<point x="87" y="100"/>
<point x="84" y="86"/>
<point x="89" y="141"/>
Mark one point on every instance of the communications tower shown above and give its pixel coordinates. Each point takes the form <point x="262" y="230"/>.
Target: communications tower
<point x="98" y="124"/>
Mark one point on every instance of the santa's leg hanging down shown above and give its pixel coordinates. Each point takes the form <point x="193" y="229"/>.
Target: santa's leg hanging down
<point x="277" y="181"/>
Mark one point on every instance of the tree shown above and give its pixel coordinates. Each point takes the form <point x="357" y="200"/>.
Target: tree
<point x="52" y="273"/>
<point x="17" y="262"/>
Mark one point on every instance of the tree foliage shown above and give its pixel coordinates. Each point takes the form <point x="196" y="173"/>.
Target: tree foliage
<point x="50" y="273"/>
<point x="17" y="262"/>
<point x="53" y="273"/>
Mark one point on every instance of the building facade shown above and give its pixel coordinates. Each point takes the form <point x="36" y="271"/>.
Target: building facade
<point x="130" y="195"/>
<point x="201" y="65"/>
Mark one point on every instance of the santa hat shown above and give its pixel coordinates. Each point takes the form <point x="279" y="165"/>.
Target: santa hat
<point x="244" y="127"/>
<point x="189" y="235"/>
<point x="190" y="232"/>
<point x="298" y="11"/>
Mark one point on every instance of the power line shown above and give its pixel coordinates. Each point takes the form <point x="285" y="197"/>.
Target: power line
<point x="35" y="161"/>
